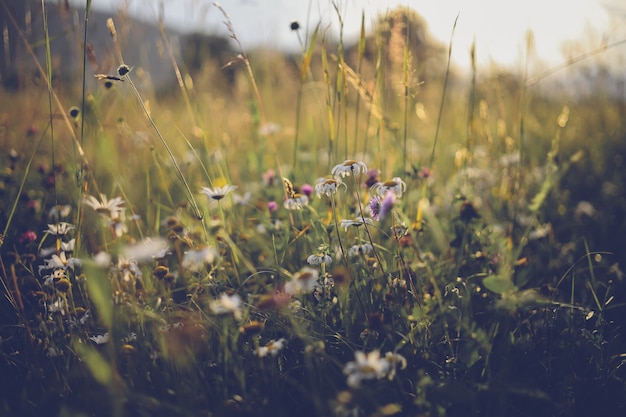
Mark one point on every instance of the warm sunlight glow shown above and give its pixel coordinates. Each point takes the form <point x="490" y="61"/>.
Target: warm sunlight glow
<point x="499" y="28"/>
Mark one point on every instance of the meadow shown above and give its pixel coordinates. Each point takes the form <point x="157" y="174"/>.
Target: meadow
<point x="356" y="230"/>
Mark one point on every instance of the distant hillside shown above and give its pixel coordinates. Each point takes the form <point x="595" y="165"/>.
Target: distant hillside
<point x="140" y="44"/>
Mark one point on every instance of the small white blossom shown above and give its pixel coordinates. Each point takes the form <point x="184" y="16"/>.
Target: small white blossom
<point x="147" y="249"/>
<point x="118" y="226"/>
<point x="584" y="209"/>
<point x="196" y="259"/>
<point x="100" y="339"/>
<point x="111" y="209"/>
<point x="54" y="352"/>
<point x="359" y="221"/>
<point x="348" y="167"/>
<point x="296" y="202"/>
<point x="65" y="247"/>
<point x="318" y="259"/>
<point x="358" y="250"/>
<point x="540" y="232"/>
<point x="218" y="193"/>
<point x="60" y="211"/>
<point x="60" y="228"/>
<point x="395" y="185"/>
<point x="102" y="259"/>
<point x="271" y="348"/>
<point x="128" y="269"/>
<point x="60" y="261"/>
<point x="304" y="281"/>
<point x="227" y="304"/>
<point x="327" y="186"/>
<point x="372" y="366"/>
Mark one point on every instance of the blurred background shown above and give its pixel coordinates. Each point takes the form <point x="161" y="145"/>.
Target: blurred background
<point x="498" y="27"/>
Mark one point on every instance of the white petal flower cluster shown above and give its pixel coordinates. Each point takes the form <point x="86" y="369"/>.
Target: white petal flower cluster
<point x="372" y="366"/>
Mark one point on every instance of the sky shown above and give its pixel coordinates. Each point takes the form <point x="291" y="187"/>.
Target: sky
<point x="498" y="27"/>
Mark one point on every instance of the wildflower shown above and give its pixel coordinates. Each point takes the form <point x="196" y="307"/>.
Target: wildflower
<point x="34" y="205"/>
<point x="327" y="186"/>
<point x="318" y="259"/>
<point x="147" y="249"/>
<point x="295" y="306"/>
<point x="324" y="290"/>
<point x="51" y="279"/>
<point x="268" y="177"/>
<point x="393" y="359"/>
<point x="102" y="259"/>
<point x="303" y="281"/>
<point x="218" y="193"/>
<point x="118" y="226"/>
<point x="372" y="366"/>
<point x="28" y="237"/>
<point x="365" y="366"/>
<point x="357" y="250"/>
<point x="379" y="208"/>
<point x="100" y="339"/>
<point x="584" y="209"/>
<point x="371" y="177"/>
<point x="272" y="206"/>
<point x="509" y="159"/>
<point x="307" y="189"/>
<point x="242" y="200"/>
<point x="59" y="306"/>
<point x="271" y="348"/>
<point x="348" y="167"/>
<point x="296" y="202"/>
<point x="60" y="211"/>
<point x="60" y="229"/>
<point x="108" y="208"/>
<point x="54" y="352"/>
<point x="269" y="129"/>
<point x="396" y="185"/>
<point x="424" y="172"/>
<point x="60" y="261"/>
<point x="227" y="304"/>
<point x="128" y="269"/>
<point x="540" y="232"/>
<point x="359" y="221"/>
<point x="195" y="259"/>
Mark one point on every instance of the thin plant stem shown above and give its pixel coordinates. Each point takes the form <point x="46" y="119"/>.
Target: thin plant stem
<point x="191" y="198"/>
<point x="443" y="95"/>
<point x="367" y="230"/>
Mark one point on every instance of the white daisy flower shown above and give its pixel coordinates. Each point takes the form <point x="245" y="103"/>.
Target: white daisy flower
<point x="395" y="185"/>
<point x="327" y="186"/>
<point x="227" y="304"/>
<point x="296" y="202"/>
<point x="271" y="348"/>
<point x="100" y="339"/>
<point x="304" y="281"/>
<point x="60" y="228"/>
<point x="196" y="259"/>
<point x="359" y="221"/>
<point x="108" y="208"/>
<point x="218" y="193"/>
<point x="348" y="167"/>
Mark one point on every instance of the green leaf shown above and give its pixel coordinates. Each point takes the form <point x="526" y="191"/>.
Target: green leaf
<point x="98" y="366"/>
<point x="499" y="284"/>
<point x="99" y="289"/>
